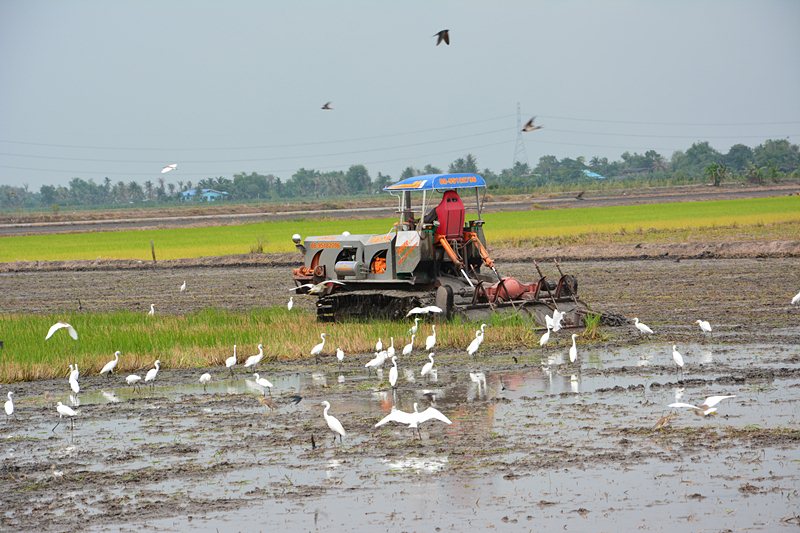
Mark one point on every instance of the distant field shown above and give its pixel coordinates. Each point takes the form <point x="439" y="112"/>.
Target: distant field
<point x="670" y="220"/>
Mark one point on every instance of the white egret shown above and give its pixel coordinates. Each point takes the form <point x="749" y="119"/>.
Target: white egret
<point x="317" y="349"/>
<point x="475" y="344"/>
<point x="396" y="415"/>
<point x="413" y="329"/>
<point x="393" y="373"/>
<point x="263" y="383"/>
<point x="321" y="288"/>
<point x="641" y="326"/>
<point x="205" y="379"/>
<point x="333" y="422"/>
<point x="59" y="325"/>
<point x="573" y="351"/>
<point x="253" y="360"/>
<point x="183" y="286"/>
<point x="430" y="341"/>
<point x="231" y="361"/>
<point x="705" y="327"/>
<point x="677" y="357"/>
<point x="340" y="356"/>
<point x="548" y="321"/>
<point x="796" y="298"/>
<point x="544" y="338"/>
<point x="9" y="405"/>
<point x="376" y="361"/>
<point x="74" y="373"/>
<point x="378" y="345"/>
<point x="424" y="310"/>
<point x="133" y="380"/>
<point x="63" y="411"/>
<point x="390" y="350"/>
<point x="706" y="408"/>
<point x="152" y="310"/>
<point x="111" y="365"/>
<point x="408" y="348"/>
<point x="427" y="367"/>
<point x="152" y="373"/>
<point x="558" y="316"/>
<point x="169" y="168"/>
<point x="73" y="384"/>
<point x="431" y="413"/>
<point x="290" y="303"/>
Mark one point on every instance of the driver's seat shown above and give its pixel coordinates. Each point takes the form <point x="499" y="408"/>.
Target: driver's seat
<point x="450" y="213"/>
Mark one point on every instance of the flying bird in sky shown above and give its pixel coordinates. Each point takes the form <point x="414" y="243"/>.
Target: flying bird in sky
<point x="443" y="35"/>
<point x="169" y="168"/>
<point x="327" y="106"/>
<point x="529" y="126"/>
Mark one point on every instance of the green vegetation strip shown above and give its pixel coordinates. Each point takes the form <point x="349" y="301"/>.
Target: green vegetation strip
<point x="206" y="338"/>
<point x="511" y="228"/>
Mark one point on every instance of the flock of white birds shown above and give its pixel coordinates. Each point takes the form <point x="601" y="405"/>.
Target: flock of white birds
<point x="411" y="419"/>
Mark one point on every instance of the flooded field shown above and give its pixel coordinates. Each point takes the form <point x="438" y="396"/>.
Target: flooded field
<point x="535" y="442"/>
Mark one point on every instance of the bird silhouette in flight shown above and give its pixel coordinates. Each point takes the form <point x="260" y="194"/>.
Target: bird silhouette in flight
<point x="443" y="35"/>
<point x="529" y="126"/>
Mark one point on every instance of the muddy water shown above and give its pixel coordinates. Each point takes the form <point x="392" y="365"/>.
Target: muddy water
<point x="536" y="443"/>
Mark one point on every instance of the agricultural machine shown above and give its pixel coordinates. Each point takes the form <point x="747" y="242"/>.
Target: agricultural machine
<point x="432" y="256"/>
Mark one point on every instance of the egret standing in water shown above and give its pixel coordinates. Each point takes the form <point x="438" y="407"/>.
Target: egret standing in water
<point x="408" y="348"/>
<point x="317" y="349"/>
<point x="111" y="365"/>
<point x="9" y="405"/>
<point x="253" y="360"/>
<point x="544" y="338"/>
<point x="427" y="367"/>
<point x="379" y="345"/>
<point x="393" y="373"/>
<point x="333" y="422"/>
<point x="152" y="373"/>
<point x="264" y="384"/>
<point x="573" y="351"/>
<point x="430" y="341"/>
<point x="133" y="380"/>
<point x="340" y="356"/>
<point x="641" y="326"/>
<point x="476" y="343"/>
<point x="231" y="361"/>
<point x="390" y="350"/>
<point x="205" y="379"/>
<point x="677" y="357"/>
<point x="63" y="411"/>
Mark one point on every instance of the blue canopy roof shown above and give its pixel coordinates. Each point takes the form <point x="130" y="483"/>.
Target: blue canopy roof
<point x="438" y="181"/>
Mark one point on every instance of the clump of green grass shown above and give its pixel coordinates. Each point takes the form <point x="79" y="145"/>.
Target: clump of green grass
<point x="592" y="322"/>
<point x="205" y="338"/>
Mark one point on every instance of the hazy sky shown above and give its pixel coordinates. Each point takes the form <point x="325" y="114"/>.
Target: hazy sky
<point x="119" y="89"/>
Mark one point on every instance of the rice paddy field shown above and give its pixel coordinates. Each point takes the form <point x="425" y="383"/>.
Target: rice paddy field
<point x="765" y="218"/>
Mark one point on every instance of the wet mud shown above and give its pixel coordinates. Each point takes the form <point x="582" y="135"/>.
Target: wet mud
<point x="535" y="441"/>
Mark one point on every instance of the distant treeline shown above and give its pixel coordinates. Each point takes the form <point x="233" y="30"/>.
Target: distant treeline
<point x="769" y="161"/>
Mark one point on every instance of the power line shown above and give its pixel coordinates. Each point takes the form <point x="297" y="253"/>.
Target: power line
<point x="257" y="147"/>
<point x="656" y="123"/>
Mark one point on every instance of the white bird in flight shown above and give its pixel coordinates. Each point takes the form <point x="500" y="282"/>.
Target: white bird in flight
<point x="706" y="408"/>
<point x="558" y="317"/>
<point x="323" y="287"/>
<point x="169" y="168"/>
<point x="430" y="341"/>
<point x="253" y="360"/>
<point x="111" y="365"/>
<point x="641" y="326"/>
<point x="333" y="422"/>
<point x="59" y="325"/>
<point x="424" y="310"/>
<point x="413" y="420"/>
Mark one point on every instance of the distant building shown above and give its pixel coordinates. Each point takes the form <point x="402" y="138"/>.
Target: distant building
<point x="208" y="195"/>
<point x="595" y="175"/>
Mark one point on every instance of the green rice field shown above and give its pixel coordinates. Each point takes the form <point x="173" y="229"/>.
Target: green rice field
<point x="509" y="228"/>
